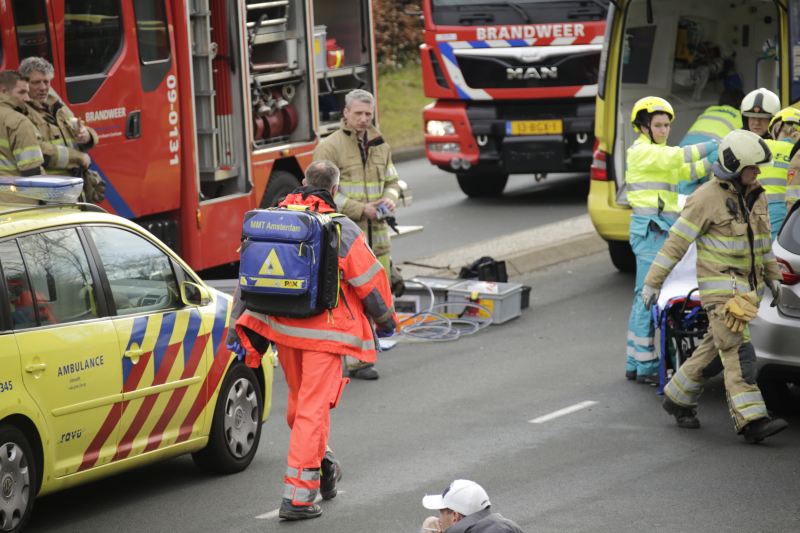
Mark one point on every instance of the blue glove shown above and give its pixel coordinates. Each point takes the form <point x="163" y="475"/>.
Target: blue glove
<point x="383" y="334"/>
<point x="238" y="349"/>
<point x="713" y="157"/>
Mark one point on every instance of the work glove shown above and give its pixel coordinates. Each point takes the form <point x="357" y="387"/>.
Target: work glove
<point x="739" y="310"/>
<point x="383" y="334"/>
<point x="238" y="349"/>
<point x="777" y="291"/>
<point x="649" y="295"/>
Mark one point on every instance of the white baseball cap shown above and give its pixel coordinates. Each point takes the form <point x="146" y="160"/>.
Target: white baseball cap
<point x="463" y="496"/>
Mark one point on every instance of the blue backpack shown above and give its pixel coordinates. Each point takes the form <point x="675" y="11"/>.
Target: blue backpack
<point x="289" y="262"/>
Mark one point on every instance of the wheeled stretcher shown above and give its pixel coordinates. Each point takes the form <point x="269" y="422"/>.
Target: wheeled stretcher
<point x="680" y="321"/>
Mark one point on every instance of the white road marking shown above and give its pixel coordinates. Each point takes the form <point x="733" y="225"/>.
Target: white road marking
<point x="274" y="514"/>
<point x="562" y="412"/>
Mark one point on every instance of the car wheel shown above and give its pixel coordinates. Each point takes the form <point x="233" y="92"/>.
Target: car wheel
<point x="17" y="479"/>
<point x="779" y="396"/>
<point x="622" y="256"/>
<point x="236" y="426"/>
<point x="281" y="184"/>
<point x="482" y="186"/>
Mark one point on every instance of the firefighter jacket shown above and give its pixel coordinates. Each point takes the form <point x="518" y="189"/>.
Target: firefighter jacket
<point x="20" y="154"/>
<point x="53" y="119"/>
<point x="715" y="123"/>
<point x="345" y="330"/>
<point x="652" y="173"/>
<point x="774" y="178"/>
<point x="793" y="185"/>
<point x="732" y="233"/>
<point x="368" y="174"/>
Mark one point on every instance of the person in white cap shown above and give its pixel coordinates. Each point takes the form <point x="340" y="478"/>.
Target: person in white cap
<point x="465" y="508"/>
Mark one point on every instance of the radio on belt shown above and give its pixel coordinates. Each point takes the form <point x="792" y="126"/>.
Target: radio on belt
<point x="48" y="189"/>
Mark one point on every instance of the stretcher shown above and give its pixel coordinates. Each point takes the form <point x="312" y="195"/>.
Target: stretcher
<point x="680" y="321"/>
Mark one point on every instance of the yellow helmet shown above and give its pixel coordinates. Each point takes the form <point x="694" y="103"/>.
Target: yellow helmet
<point x="651" y="104"/>
<point x="789" y="115"/>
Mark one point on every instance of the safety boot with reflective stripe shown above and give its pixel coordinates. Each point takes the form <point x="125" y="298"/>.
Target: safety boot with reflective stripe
<point x="685" y="417"/>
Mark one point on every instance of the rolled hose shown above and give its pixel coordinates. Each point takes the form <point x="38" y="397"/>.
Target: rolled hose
<point x="441" y="328"/>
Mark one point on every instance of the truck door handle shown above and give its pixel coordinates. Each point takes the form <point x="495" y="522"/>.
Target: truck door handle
<point x="134" y="355"/>
<point x="35" y="368"/>
<point x="133" y="125"/>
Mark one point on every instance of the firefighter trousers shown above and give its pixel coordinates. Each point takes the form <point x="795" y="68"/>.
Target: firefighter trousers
<point x="722" y="349"/>
<point x="641" y="355"/>
<point x="315" y="385"/>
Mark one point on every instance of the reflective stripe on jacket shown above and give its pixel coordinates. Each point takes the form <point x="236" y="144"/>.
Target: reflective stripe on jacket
<point x="368" y="174"/>
<point x="727" y="245"/>
<point x="774" y="179"/>
<point x="652" y="172"/>
<point x="345" y="330"/>
<point x="20" y="153"/>
<point x="715" y="123"/>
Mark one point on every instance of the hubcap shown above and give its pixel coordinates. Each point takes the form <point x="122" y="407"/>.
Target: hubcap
<point x="241" y="417"/>
<point x="14" y="485"/>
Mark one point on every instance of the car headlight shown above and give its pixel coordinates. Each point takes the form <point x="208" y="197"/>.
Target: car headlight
<point x="440" y="127"/>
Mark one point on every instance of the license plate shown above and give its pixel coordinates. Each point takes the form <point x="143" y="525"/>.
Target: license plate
<point x="534" y="127"/>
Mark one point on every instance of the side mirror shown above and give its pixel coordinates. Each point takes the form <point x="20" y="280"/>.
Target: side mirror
<point x="406" y="196"/>
<point x="194" y="295"/>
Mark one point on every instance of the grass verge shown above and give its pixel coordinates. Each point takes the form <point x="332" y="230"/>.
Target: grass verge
<point x="400" y="102"/>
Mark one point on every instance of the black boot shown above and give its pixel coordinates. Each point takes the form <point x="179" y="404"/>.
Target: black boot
<point x="331" y="474"/>
<point x="298" y="512"/>
<point x="685" y="417"/>
<point x="649" y="379"/>
<point x="365" y="372"/>
<point x="630" y="374"/>
<point x="760" y="429"/>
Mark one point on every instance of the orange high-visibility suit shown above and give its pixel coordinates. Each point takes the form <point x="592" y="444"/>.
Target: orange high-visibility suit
<point x="310" y="349"/>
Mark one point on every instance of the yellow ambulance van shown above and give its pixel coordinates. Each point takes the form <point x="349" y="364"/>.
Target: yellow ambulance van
<point x="688" y="52"/>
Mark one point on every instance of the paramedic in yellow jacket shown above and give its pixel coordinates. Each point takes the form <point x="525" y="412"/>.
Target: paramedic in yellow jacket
<point x="652" y="173"/>
<point x="793" y="185"/>
<point x="368" y="181"/>
<point x="727" y="219"/>
<point x="69" y="138"/>
<point x="20" y="154"/>
<point x="774" y="179"/>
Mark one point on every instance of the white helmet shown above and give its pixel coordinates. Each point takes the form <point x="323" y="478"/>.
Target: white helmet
<point x="741" y="148"/>
<point x="761" y="103"/>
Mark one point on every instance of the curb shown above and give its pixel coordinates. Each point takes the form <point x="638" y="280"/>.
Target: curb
<point x="523" y="252"/>
<point x="408" y="153"/>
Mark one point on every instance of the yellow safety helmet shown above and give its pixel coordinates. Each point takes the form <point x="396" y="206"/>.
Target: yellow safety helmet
<point x="789" y="115"/>
<point x="650" y="104"/>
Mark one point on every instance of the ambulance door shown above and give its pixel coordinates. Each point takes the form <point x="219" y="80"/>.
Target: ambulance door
<point x="162" y="341"/>
<point x="115" y="61"/>
<point x="69" y="351"/>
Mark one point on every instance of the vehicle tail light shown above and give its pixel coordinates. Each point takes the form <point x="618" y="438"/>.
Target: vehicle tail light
<point x="789" y="277"/>
<point x="598" y="169"/>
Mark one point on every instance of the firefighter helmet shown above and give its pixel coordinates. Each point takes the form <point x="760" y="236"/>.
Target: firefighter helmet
<point x="761" y="103"/>
<point x="740" y="149"/>
<point x="644" y="109"/>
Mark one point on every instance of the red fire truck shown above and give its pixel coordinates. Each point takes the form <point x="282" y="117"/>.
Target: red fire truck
<point x="515" y="86"/>
<point x="205" y="109"/>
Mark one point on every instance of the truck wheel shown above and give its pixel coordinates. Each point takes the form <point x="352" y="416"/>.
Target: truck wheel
<point x="17" y="479"/>
<point x="622" y="256"/>
<point x="236" y="426"/>
<point x="281" y="183"/>
<point x="482" y="186"/>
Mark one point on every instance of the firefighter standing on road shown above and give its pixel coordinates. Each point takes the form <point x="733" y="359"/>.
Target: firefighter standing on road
<point x="727" y="218"/>
<point x="20" y="153"/>
<point x="653" y="171"/>
<point x="369" y="181"/>
<point x="310" y="349"/>
<point x="68" y="138"/>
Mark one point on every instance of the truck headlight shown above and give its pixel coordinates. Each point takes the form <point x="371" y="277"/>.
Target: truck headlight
<point x="444" y="147"/>
<point x="440" y="127"/>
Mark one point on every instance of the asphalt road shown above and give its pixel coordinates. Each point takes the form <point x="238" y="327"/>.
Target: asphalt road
<point x="452" y="219"/>
<point x="462" y="410"/>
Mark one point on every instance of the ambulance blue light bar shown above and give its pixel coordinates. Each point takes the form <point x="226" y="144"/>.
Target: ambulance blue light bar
<point x="49" y="189"/>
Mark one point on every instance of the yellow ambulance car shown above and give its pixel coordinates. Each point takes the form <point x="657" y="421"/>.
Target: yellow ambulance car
<point x="683" y="51"/>
<point x="112" y="354"/>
